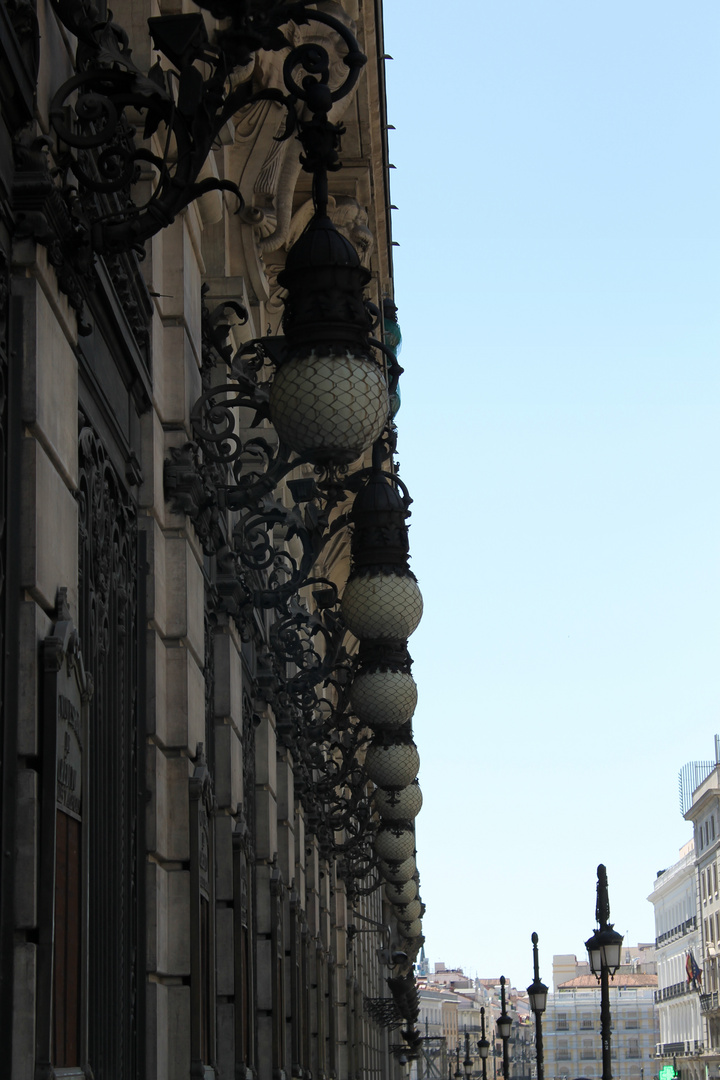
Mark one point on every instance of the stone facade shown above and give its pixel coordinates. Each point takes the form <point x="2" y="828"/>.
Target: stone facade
<point x="186" y="891"/>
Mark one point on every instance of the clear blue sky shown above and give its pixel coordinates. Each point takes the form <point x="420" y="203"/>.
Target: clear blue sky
<point x="558" y="288"/>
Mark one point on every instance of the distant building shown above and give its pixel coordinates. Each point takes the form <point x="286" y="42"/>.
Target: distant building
<point x="571" y="1025"/>
<point x="438" y="1023"/>
<point x="451" y="977"/>
<point x="451" y="1005"/>
<point x="635" y="958"/>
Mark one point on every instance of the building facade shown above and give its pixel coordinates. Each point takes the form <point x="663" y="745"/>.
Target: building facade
<point x="208" y="772"/>
<point x="704" y="814"/>
<point x="678" y="946"/>
<point x="571" y="1028"/>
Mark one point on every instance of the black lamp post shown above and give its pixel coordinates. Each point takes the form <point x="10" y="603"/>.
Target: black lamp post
<point x="483" y="1044"/>
<point x="537" y="994"/>
<point x="604" y="949"/>
<point x="458" y="1070"/>
<point x="467" y="1063"/>
<point x="504" y="1027"/>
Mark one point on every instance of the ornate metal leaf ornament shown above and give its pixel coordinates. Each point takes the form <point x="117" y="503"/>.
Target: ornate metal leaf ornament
<point x="184" y="106"/>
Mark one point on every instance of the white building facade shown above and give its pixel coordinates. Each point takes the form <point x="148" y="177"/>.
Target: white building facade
<point x="704" y="813"/>
<point x="678" y="941"/>
<point x="571" y="1028"/>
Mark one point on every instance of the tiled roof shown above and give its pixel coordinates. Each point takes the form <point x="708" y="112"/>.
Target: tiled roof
<point x="622" y="979"/>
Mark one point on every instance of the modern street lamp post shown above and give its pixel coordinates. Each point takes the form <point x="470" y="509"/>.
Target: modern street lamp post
<point x="483" y="1044"/>
<point x="504" y="1027"/>
<point x="537" y="995"/>
<point x="604" y="949"/>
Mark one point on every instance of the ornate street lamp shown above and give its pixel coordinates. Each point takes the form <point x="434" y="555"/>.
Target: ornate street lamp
<point x="537" y="994"/>
<point x="483" y="1044"/>
<point x="604" y="950"/>
<point x="504" y="1027"/>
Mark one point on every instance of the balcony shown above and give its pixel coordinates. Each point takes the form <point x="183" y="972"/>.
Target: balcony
<point x="709" y="1002"/>
<point x="677" y="931"/>
<point x="674" y="991"/>
<point x="676" y="1049"/>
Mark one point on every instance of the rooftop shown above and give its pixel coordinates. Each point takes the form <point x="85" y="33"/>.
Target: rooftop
<point x="623" y="980"/>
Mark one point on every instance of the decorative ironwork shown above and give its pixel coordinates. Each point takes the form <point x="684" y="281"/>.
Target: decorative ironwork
<point x="185" y="107"/>
<point x="231" y="482"/>
<point x="109" y="634"/>
<point x="239" y="470"/>
<point x="383" y="1011"/>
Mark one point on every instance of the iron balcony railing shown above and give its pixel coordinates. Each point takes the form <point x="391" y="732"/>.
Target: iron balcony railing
<point x="675" y="1049"/>
<point x="677" y="931"/>
<point x="675" y="990"/>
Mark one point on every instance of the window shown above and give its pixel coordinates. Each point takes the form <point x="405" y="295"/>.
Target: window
<point x="67" y="1017"/>
<point x="108" y="625"/>
<point x="61" y="1024"/>
<point x="563" y="1050"/>
<point x="586" y="1021"/>
<point x="633" y="1050"/>
<point x="587" y="1050"/>
<point x="714" y="872"/>
<point x="562" y="1022"/>
<point x="202" y="909"/>
<point x="631" y="1021"/>
<point x="712" y="827"/>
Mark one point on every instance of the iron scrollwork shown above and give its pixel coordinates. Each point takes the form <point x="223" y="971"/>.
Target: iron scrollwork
<point x="229" y="482"/>
<point x="184" y="106"/>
